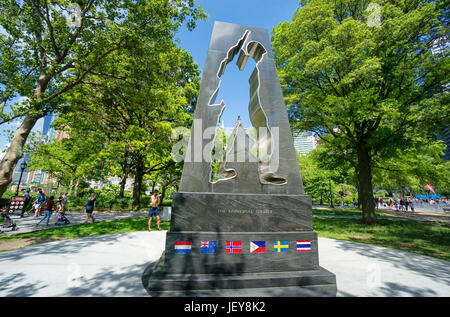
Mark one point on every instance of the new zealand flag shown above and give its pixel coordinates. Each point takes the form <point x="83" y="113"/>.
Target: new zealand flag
<point x="208" y="247"/>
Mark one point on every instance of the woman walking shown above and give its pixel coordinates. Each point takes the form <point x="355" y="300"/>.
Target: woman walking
<point x="90" y="206"/>
<point x="47" y="210"/>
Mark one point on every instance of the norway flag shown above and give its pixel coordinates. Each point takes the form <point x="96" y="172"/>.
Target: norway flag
<point x="233" y="247"/>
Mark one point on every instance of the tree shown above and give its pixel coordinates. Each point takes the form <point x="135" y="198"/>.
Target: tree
<point x="317" y="177"/>
<point x="71" y="159"/>
<point x="412" y="168"/>
<point x="43" y="56"/>
<point x="366" y="89"/>
<point x="168" y="178"/>
<point x="136" y="101"/>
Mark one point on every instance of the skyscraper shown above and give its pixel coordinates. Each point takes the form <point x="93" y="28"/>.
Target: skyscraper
<point x="304" y="142"/>
<point x="445" y="136"/>
<point x="38" y="176"/>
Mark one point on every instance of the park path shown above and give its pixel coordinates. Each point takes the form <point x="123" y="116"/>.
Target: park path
<point x="418" y="215"/>
<point x="112" y="265"/>
<point x="28" y="222"/>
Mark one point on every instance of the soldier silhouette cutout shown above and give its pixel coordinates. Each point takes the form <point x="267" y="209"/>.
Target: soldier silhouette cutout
<point x="259" y="147"/>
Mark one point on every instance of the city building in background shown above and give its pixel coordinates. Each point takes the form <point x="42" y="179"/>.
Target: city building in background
<point x="38" y="177"/>
<point x="438" y="49"/>
<point x="18" y="170"/>
<point x="445" y="136"/>
<point x="304" y="142"/>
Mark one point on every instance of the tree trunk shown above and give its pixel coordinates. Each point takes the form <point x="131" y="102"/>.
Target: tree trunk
<point x="15" y="152"/>
<point x="163" y="193"/>
<point x="70" y="186"/>
<point x="125" y="171"/>
<point x="123" y="182"/>
<point x="365" y="191"/>
<point x="76" y="187"/>
<point x="137" y="186"/>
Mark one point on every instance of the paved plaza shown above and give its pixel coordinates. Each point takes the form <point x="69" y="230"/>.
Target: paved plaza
<point x="112" y="265"/>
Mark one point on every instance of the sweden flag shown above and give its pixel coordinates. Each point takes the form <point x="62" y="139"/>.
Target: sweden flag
<point x="281" y="246"/>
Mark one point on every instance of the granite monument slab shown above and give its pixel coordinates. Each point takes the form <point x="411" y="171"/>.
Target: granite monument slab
<point x="244" y="223"/>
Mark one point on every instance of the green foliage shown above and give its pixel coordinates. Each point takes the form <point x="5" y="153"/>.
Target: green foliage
<point x="107" y="199"/>
<point x="410" y="169"/>
<point x="315" y="179"/>
<point x="135" y="102"/>
<point x="8" y="194"/>
<point x="367" y="91"/>
<point x="381" y="193"/>
<point x="70" y="160"/>
<point x="39" y="42"/>
<point x="43" y="56"/>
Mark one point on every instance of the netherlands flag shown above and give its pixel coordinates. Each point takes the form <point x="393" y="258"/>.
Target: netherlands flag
<point x="303" y="245"/>
<point x="233" y="247"/>
<point x="183" y="246"/>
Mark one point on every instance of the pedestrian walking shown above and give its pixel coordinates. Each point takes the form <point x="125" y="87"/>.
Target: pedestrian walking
<point x="411" y="204"/>
<point x="38" y="204"/>
<point x="153" y="212"/>
<point x="27" y="200"/>
<point x="64" y="201"/>
<point x="59" y="202"/>
<point x="47" y="210"/>
<point x="402" y="204"/>
<point x="90" y="206"/>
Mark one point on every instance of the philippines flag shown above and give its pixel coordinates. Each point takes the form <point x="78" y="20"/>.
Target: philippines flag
<point x="183" y="246"/>
<point x="257" y="246"/>
<point x="303" y="245"/>
<point x="208" y="247"/>
<point x="233" y="247"/>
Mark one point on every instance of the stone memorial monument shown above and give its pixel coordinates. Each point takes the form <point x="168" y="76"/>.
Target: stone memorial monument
<point x="243" y="226"/>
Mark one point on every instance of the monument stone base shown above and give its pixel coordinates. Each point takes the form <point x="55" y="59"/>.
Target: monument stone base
<point x="273" y="219"/>
<point x="318" y="282"/>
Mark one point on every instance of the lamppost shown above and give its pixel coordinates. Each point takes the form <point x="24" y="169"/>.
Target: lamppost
<point x="331" y="194"/>
<point x="23" y="166"/>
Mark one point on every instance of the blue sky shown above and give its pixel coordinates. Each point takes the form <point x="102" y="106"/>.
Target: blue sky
<point x="266" y="14"/>
<point x="234" y="88"/>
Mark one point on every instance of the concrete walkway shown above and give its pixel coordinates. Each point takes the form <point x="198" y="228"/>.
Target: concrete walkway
<point x="112" y="265"/>
<point x="28" y="222"/>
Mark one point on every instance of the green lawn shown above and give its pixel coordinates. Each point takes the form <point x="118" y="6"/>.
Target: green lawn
<point x="421" y="237"/>
<point x="425" y="238"/>
<point x="343" y="212"/>
<point x="91" y="229"/>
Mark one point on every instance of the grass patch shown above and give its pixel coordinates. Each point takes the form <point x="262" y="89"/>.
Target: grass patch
<point x="342" y="212"/>
<point x="90" y="229"/>
<point x="427" y="238"/>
